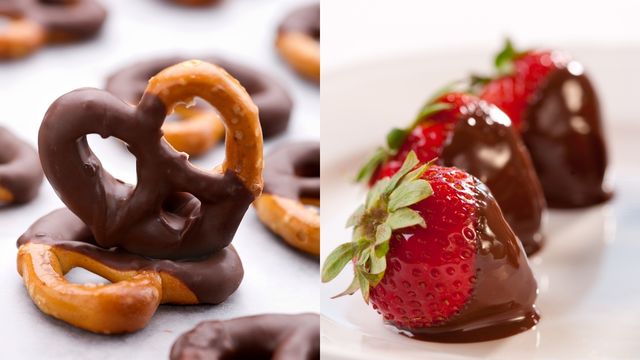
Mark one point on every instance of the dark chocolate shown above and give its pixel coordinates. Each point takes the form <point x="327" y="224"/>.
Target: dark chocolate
<point x="271" y="98"/>
<point x="63" y="20"/>
<point x="562" y="129"/>
<point x="20" y="171"/>
<point x="503" y="300"/>
<point x="292" y="170"/>
<point x="304" y="20"/>
<point x="260" y="337"/>
<point x="176" y="211"/>
<point x="212" y="279"/>
<point x="485" y="145"/>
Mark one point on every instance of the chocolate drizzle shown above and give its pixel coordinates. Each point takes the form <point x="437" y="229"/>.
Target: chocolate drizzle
<point x="562" y="129"/>
<point x="20" y="171"/>
<point x="62" y="20"/>
<point x="304" y="20"/>
<point x="212" y="279"/>
<point x="485" y="145"/>
<point x="175" y="212"/>
<point x="503" y="300"/>
<point x="271" y="98"/>
<point x="261" y="337"/>
<point x="292" y="170"/>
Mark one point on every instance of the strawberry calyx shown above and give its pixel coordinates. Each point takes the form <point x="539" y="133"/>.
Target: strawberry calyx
<point x="396" y="137"/>
<point x="505" y="59"/>
<point x="387" y="208"/>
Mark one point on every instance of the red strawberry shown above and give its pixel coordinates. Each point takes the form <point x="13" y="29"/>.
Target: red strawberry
<point x="428" y="135"/>
<point x="464" y="131"/>
<point x="519" y="76"/>
<point x="435" y="257"/>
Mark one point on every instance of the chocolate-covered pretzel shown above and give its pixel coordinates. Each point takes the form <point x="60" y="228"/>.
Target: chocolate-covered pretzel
<point x="269" y="336"/>
<point x="20" y="171"/>
<point x="60" y="241"/>
<point x="271" y="98"/>
<point x="298" y="41"/>
<point x="292" y="181"/>
<point x="176" y="211"/>
<point x="35" y="22"/>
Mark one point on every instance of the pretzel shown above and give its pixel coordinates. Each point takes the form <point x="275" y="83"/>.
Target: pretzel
<point x="176" y="211"/>
<point x="36" y="22"/>
<point x="20" y="172"/>
<point x="60" y="241"/>
<point x="292" y="180"/>
<point x="20" y="37"/>
<point x="268" y="336"/>
<point x="298" y="41"/>
<point x="197" y="136"/>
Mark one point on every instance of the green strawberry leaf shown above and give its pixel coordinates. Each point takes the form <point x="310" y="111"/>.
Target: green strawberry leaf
<point x="408" y="194"/>
<point x="430" y="109"/>
<point x="396" y="137"/>
<point x="405" y="217"/>
<point x="504" y="59"/>
<point x="418" y="172"/>
<point x="355" y="286"/>
<point x="337" y="260"/>
<point x="382" y="249"/>
<point x="409" y="163"/>
<point x="369" y="168"/>
<point x="364" y="285"/>
<point x="376" y="192"/>
<point x="383" y="233"/>
<point x="378" y="263"/>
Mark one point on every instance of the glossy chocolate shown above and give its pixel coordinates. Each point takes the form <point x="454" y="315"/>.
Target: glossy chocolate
<point x="485" y="145"/>
<point x="271" y="98"/>
<point x="176" y="211"/>
<point x="304" y="20"/>
<point x="292" y="170"/>
<point x="562" y="129"/>
<point x="212" y="279"/>
<point x="63" y="20"/>
<point x="260" y="337"/>
<point x="20" y="171"/>
<point x="503" y="300"/>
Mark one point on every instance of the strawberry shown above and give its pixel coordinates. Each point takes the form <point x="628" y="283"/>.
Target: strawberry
<point x="462" y="130"/>
<point x="426" y="136"/>
<point x="416" y="249"/>
<point x="519" y="75"/>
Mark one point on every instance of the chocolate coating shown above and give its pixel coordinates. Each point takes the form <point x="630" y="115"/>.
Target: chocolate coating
<point x="269" y="336"/>
<point x="63" y="20"/>
<point x="176" y="212"/>
<point x="562" y="129"/>
<point x="212" y="279"/>
<point x="304" y="20"/>
<point x="292" y="170"/>
<point x="20" y="171"/>
<point x="502" y="303"/>
<point x="485" y="145"/>
<point x="271" y="98"/>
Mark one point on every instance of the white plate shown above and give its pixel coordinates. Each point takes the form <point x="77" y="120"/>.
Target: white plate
<point x="589" y="296"/>
<point x="277" y="278"/>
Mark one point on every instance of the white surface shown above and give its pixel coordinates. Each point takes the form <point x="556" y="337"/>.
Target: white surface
<point x="277" y="278"/>
<point x="356" y="30"/>
<point x="589" y="299"/>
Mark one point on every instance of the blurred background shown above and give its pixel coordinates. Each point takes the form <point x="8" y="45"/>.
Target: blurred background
<point x="355" y="30"/>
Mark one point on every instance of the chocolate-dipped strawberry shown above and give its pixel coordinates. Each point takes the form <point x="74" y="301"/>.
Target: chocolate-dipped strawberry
<point x="553" y="104"/>
<point x="463" y="131"/>
<point x="433" y="254"/>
